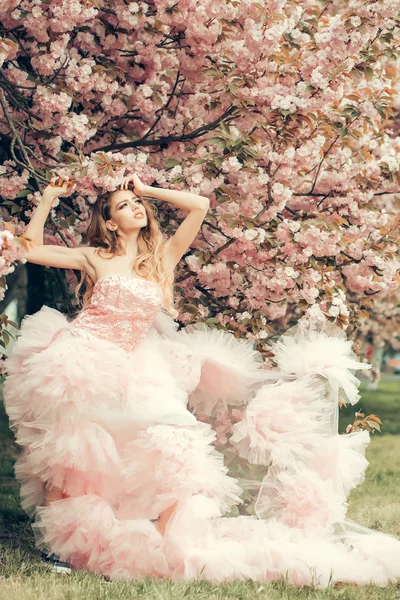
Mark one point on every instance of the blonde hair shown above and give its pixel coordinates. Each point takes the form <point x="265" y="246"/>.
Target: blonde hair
<point x="150" y="261"/>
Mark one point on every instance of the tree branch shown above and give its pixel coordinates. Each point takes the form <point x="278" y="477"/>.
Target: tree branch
<point x="168" y="139"/>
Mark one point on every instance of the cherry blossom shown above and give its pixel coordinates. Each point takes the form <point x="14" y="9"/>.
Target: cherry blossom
<point x="282" y="113"/>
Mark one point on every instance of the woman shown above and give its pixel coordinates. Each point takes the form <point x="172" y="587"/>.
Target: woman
<point x="116" y="409"/>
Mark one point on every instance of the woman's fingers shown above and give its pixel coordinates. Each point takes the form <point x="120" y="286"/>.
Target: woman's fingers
<point x="58" y="182"/>
<point x="63" y="186"/>
<point x="67" y="186"/>
<point x="126" y="181"/>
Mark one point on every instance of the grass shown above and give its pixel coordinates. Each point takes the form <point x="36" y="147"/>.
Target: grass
<point x="376" y="503"/>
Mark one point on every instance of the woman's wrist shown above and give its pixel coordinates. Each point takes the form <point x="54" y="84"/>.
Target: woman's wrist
<point x="181" y="199"/>
<point x="48" y="201"/>
<point x="48" y="198"/>
<point x="148" y="190"/>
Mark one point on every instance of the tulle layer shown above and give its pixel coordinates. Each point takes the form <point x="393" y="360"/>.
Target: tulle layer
<point x="244" y="547"/>
<point x="53" y="372"/>
<point x="283" y="423"/>
<point x="117" y="432"/>
<point x="175" y="461"/>
<point x="85" y="532"/>
<point x="78" y="457"/>
<point x="198" y="544"/>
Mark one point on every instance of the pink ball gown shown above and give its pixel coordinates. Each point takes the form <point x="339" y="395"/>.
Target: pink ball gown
<point x="121" y="411"/>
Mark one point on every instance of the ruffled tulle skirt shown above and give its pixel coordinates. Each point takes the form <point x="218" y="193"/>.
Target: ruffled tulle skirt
<point x="251" y="457"/>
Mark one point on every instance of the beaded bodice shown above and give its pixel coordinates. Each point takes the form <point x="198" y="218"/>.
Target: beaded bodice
<point x="122" y="310"/>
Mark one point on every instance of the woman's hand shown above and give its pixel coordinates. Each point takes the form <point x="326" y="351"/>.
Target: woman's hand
<point x="57" y="187"/>
<point x="139" y="188"/>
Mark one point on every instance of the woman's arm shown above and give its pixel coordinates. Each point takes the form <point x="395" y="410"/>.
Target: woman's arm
<point x="34" y="230"/>
<point x="184" y="200"/>
<point x="197" y="207"/>
<point x="32" y="238"/>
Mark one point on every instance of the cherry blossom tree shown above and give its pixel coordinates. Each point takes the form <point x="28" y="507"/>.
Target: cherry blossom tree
<point x="282" y="112"/>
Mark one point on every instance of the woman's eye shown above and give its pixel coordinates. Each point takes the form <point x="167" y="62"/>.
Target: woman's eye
<point x="126" y="204"/>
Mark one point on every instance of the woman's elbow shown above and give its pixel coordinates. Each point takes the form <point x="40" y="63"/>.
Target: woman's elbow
<point x="204" y="203"/>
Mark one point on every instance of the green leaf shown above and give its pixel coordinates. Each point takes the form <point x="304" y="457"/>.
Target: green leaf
<point x="72" y="157"/>
<point x="373" y="425"/>
<point x="218" y="141"/>
<point x="8" y="203"/>
<point x="225" y="128"/>
<point x="171" y="162"/>
<point x="158" y="98"/>
<point x="387" y="37"/>
<point x="234" y="88"/>
<point x="212" y="71"/>
<point x="191" y="309"/>
<point x="369" y="73"/>
<point x="204" y="301"/>
<point x="23" y="193"/>
<point x="97" y="159"/>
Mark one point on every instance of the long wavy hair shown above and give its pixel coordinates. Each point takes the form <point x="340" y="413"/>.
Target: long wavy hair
<point x="150" y="260"/>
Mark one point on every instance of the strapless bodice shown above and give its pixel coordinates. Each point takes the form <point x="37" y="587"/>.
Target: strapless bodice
<point x="122" y="310"/>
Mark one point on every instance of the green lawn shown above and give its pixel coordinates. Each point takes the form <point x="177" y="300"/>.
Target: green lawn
<point x="376" y="504"/>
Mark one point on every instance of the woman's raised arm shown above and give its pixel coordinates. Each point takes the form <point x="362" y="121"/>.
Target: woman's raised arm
<point x="196" y="206"/>
<point x="32" y="238"/>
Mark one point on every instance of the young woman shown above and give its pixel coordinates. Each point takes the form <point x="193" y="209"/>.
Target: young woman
<point x="116" y="411"/>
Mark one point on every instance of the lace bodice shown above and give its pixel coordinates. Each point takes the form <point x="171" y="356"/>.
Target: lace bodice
<point x="122" y="309"/>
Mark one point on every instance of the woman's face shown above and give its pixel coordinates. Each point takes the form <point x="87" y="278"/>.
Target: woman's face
<point x="127" y="212"/>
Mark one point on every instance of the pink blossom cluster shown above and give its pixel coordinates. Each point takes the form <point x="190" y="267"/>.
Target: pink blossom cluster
<point x="282" y="119"/>
<point x="11" y="253"/>
<point x="12" y="181"/>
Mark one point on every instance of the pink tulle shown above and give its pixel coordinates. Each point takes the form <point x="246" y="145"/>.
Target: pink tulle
<point x="282" y="423"/>
<point x="173" y="460"/>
